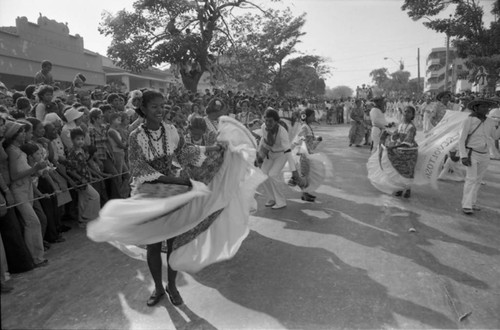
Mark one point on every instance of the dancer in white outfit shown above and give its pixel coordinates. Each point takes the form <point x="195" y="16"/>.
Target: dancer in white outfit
<point x="473" y="147"/>
<point x="274" y="151"/>
<point x="378" y="121"/>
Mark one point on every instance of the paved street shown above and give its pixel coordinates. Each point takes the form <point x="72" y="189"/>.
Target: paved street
<point x="347" y="261"/>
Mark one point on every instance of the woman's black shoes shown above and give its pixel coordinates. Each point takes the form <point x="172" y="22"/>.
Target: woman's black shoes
<point x="174" y="296"/>
<point x="155" y="298"/>
<point x="308" y="197"/>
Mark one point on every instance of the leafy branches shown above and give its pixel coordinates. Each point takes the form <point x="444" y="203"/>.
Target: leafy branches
<point x="479" y="44"/>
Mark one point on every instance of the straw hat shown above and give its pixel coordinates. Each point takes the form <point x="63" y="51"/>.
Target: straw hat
<point x="477" y="102"/>
<point x="12" y="127"/>
<point x="443" y="94"/>
<point x="72" y="114"/>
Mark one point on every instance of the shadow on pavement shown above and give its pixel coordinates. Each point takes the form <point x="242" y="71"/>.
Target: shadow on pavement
<point x="387" y="229"/>
<point x="310" y="288"/>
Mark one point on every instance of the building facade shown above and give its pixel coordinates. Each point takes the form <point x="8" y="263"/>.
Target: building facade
<point x="436" y="70"/>
<point x="23" y="47"/>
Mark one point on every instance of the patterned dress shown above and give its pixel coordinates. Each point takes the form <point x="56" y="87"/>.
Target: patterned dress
<point x="165" y="152"/>
<point x="309" y="140"/>
<point x="404" y="153"/>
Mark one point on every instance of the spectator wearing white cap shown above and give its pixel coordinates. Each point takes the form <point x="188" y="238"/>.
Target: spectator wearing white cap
<point x="73" y="120"/>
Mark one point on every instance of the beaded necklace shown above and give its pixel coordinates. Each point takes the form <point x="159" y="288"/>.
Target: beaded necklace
<point x="163" y="134"/>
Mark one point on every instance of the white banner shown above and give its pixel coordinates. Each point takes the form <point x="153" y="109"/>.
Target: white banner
<point x="435" y="145"/>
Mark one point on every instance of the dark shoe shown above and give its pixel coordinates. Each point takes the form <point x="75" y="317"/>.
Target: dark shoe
<point x="292" y="182"/>
<point x="307" y="198"/>
<point x="467" y="210"/>
<point x="42" y="264"/>
<point x="407" y="193"/>
<point x="358" y="145"/>
<point x="175" y="297"/>
<point x="154" y="298"/>
<point x="350" y="144"/>
<point x="398" y="193"/>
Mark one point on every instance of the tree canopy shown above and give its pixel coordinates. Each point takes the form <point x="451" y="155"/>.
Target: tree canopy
<point x="187" y="34"/>
<point x="260" y="46"/>
<point x="480" y="45"/>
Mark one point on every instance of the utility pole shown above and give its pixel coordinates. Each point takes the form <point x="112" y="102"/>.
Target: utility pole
<point x="418" y="71"/>
<point x="447" y="55"/>
<point x="447" y="62"/>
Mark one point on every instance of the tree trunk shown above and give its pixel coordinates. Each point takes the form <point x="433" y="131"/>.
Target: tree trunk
<point x="191" y="80"/>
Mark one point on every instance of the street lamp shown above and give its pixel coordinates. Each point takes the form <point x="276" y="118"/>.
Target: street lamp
<point x="400" y="63"/>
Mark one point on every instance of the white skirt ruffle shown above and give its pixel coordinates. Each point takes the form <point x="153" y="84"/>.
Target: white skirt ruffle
<point x="140" y="221"/>
<point x="383" y="175"/>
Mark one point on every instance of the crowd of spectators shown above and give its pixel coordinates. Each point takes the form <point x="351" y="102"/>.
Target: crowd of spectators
<point x="63" y="152"/>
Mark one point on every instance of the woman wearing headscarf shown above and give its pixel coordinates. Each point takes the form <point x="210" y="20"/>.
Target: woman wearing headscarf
<point x="17" y="254"/>
<point x="22" y="189"/>
<point x="476" y="132"/>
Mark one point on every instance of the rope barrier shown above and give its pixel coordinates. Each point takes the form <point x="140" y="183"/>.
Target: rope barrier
<point x="63" y="191"/>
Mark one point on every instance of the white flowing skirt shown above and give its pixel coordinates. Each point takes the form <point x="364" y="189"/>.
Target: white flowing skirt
<point x="139" y="221"/>
<point x="383" y="175"/>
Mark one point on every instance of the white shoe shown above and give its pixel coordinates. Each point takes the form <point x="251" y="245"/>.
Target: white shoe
<point x="278" y="206"/>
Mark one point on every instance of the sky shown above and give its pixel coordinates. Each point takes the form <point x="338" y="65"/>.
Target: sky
<point x="354" y="35"/>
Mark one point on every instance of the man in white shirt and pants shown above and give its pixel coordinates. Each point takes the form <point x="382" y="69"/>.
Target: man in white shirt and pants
<point x="476" y="132"/>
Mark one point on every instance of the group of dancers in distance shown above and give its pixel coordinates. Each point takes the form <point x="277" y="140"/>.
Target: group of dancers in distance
<point x="192" y="194"/>
<point x="464" y="137"/>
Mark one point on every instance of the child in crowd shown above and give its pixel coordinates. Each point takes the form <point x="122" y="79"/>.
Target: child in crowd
<point x="88" y="198"/>
<point x="45" y="94"/>
<point x="96" y="168"/>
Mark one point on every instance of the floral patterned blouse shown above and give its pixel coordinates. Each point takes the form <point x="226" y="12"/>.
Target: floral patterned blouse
<point x="405" y="135"/>
<point x="77" y="162"/>
<point x="153" y="154"/>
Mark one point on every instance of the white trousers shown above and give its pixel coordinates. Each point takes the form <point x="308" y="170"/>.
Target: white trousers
<point x="272" y="167"/>
<point x="473" y="177"/>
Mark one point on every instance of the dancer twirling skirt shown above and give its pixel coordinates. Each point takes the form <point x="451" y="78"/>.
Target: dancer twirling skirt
<point x="201" y="224"/>
<point x="391" y="168"/>
<point x="313" y="167"/>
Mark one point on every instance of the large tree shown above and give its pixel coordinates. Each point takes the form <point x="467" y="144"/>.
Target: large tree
<point x="304" y="76"/>
<point x="475" y="42"/>
<point x="187" y="34"/>
<point x="379" y="76"/>
<point x="260" y="45"/>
